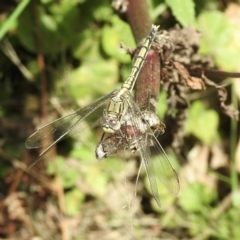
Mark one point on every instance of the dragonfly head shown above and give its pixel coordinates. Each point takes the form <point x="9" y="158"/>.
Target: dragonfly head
<point x="110" y="125"/>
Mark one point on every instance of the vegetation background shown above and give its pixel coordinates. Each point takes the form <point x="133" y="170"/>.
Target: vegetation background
<point x="57" y="56"/>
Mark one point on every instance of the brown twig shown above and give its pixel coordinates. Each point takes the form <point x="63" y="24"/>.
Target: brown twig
<point x="18" y="175"/>
<point x="136" y="13"/>
<point x="43" y="106"/>
<point x="148" y="84"/>
<point x="40" y="61"/>
<point x="139" y="18"/>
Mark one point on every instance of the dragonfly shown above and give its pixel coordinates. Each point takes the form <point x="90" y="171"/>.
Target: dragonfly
<point x="139" y="133"/>
<point x="112" y="116"/>
<point x="122" y="120"/>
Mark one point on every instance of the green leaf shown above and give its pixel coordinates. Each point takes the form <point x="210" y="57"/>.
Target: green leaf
<point x="103" y="12"/>
<point x="73" y="201"/>
<point x="83" y="153"/>
<point x="202" y="123"/>
<point x="236" y="198"/>
<point x="156" y="11"/>
<point x="92" y="79"/>
<point x="46" y="1"/>
<point x="198" y="223"/>
<point x="68" y="176"/>
<point x="219" y="40"/>
<point x="87" y="48"/>
<point x="183" y="10"/>
<point x="162" y="104"/>
<point x="195" y="197"/>
<point x="53" y="25"/>
<point x="12" y="20"/>
<point x="96" y="179"/>
<point x="112" y="165"/>
<point x="113" y="35"/>
<point x="54" y="165"/>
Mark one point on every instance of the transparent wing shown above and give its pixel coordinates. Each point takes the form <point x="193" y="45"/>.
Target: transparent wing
<point x="157" y="166"/>
<point x="161" y="164"/>
<point x="151" y="172"/>
<point x="61" y="127"/>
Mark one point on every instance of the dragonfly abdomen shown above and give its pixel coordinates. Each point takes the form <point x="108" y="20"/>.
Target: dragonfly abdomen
<point x="138" y="63"/>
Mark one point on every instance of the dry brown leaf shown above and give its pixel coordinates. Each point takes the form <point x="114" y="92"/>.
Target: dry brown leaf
<point x="219" y="158"/>
<point x="197" y="169"/>
<point x="192" y="82"/>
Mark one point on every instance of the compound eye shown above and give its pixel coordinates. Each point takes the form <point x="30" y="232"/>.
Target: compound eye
<point x="103" y="121"/>
<point x="114" y="124"/>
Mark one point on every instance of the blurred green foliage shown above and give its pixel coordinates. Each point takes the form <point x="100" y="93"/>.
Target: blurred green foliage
<point x="190" y="200"/>
<point x="183" y="11"/>
<point x="226" y="45"/>
<point x="202" y="123"/>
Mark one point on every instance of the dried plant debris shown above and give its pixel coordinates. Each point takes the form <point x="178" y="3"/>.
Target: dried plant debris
<point x="13" y="214"/>
<point x="183" y="70"/>
<point x="186" y="43"/>
<point x="120" y="6"/>
<point x="181" y="64"/>
<point x="191" y="82"/>
<point x="184" y="55"/>
<point x="222" y="96"/>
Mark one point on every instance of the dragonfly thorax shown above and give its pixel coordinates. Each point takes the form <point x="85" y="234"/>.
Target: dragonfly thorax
<point x="113" y="114"/>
